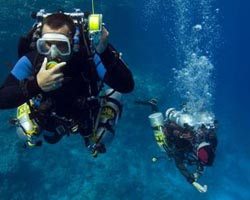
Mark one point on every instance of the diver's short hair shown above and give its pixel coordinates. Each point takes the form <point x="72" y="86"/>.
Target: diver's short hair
<point x="58" y="20"/>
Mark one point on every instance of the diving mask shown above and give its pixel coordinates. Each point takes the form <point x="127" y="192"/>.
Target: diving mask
<point x="54" y="45"/>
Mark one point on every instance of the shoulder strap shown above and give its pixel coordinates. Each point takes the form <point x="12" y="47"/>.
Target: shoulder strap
<point x="27" y="43"/>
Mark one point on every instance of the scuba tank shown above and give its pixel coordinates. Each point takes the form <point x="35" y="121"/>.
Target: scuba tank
<point x="106" y="121"/>
<point x="157" y="124"/>
<point x="27" y="128"/>
<point x="180" y="118"/>
<point x="109" y="115"/>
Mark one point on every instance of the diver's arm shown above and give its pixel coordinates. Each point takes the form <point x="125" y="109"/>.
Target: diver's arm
<point x="199" y="171"/>
<point x="189" y="176"/>
<point x="14" y="92"/>
<point x="182" y="168"/>
<point x="19" y="86"/>
<point x="114" y="71"/>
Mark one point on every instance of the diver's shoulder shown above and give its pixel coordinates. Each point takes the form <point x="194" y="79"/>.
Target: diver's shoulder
<point x="31" y="55"/>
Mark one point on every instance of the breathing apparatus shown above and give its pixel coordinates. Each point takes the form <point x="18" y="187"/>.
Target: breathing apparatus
<point x="180" y="118"/>
<point x="156" y="120"/>
<point x="107" y="119"/>
<point x="27" y="128"/>
<point x="157" y="124"/>
<point x="195" y="122"/>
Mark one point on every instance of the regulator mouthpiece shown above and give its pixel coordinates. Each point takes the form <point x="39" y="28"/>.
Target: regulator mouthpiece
<point x="51" y="64"/>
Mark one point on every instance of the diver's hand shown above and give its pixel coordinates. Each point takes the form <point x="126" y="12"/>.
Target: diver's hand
<point x="200" y="188"/>
<point x="50" y="79"/>
<point x="103" y="42"/>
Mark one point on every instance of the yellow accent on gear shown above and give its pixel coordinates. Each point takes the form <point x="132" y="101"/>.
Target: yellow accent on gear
<point x="160" y="137"/>
<point x="51" y="64"/>
<point x="107" y="113"/>
<point x="94" y="22"/>
<point x="23" y="110"/>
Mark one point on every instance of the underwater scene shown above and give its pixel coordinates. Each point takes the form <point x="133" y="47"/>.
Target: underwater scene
<point x="189" y="56"/>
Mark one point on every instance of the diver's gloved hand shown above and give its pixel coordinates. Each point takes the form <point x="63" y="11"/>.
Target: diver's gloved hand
<point x="200" y="188"/>
<point x="50" y="79"/>
<point x="96" y="148"/>
<point x="103" y="41"/>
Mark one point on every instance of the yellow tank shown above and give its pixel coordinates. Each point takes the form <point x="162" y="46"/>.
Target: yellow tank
<point x="157" y="123"/>
<point x="28" y="126"/>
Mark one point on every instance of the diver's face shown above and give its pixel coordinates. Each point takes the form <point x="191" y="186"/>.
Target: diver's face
<point x="54" y="55"/>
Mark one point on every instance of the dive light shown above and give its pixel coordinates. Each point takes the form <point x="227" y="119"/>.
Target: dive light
<point x="95" y="23"/>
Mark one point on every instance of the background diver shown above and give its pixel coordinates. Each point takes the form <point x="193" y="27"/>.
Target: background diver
<point x="57" y="84"/>
<point x="189" y="143"/>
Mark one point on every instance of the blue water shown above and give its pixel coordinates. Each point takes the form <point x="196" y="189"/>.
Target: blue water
<point x="164" y="43"/>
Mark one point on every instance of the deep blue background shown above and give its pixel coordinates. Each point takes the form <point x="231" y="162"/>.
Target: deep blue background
<point x="66" y="171"/>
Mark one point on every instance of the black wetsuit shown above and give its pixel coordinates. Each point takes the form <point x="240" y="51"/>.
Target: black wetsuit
<point x="182" y="150"/>
<point x="81" y="81"/>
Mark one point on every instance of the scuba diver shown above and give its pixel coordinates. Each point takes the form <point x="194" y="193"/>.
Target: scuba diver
<point x="190" y="143"/>
<point x="60" y="82"/>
